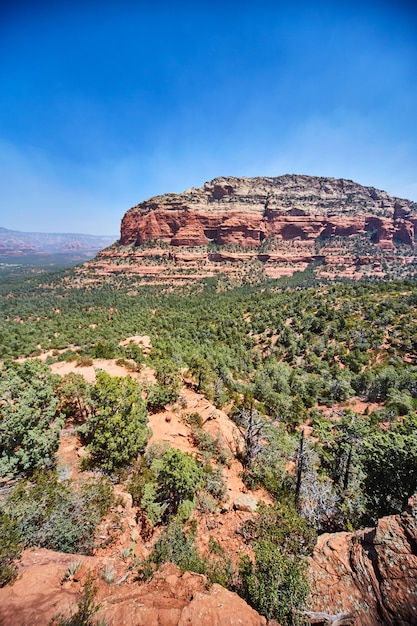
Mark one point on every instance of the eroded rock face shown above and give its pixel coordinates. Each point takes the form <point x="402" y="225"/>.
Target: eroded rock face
<point x="372" y="572"/>
<point x="273" y="227"/>
<point x="246" y="211"/>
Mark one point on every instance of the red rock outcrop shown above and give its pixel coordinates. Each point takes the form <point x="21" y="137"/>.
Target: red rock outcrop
<point x="169" y="599"/>
<point x="372" y="573"/>
<point x="249" y="229"/>
<point x="246" y="211"/>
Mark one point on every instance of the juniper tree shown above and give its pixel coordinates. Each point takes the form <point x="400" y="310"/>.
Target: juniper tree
<point x="29" y="419"/>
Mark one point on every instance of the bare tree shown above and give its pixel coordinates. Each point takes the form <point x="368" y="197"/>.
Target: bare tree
<point x="317" y="499"/>
<point x="253" y="428"/>
<point x="300" y="468"/>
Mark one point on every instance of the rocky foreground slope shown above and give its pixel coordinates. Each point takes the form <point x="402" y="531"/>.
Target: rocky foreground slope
<point x="370" y="575"/>
<point x="265" y="227"/>
<point x="169" y="599"/>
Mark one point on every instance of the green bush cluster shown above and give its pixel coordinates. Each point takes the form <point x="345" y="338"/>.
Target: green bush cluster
<point x="373" y="470"/>
<point x="168" y="483"/>
<point x="275" y="581"/>
<point x="209" y="447"/>
<point x="177" y="545"/>
<point x="174" y="478"/>
<point x="30" y="421"/>
<point x="116" y="430"/>
<point x="10" y="549"/>
<point x="58" y="515"/>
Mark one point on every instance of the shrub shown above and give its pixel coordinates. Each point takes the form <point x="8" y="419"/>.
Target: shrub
<point x="10" y="549"/>
<point x="270" y="468"/>
<point x="275" y="584"/>
<point x="194" y="419"/>
<point x="131" y="367"/>
<point x="141" y="475"/>
<point x="219" y="569"/>
<point x="214" y="483"/>
<point x="87" y="608"/>
<point x="159" y="396"/>
<point x="84" y="361"/>
<point x="175" y="546"/>
<point x="209" y="446"/>
<point x="155" y="451"/>
<point x="185" y="509"/>
<point x="276" y="581"/>
<point x="134" y="352"/>
<point x="179" y="478"/>
<point x="104" y="350"/>
<point x="56" y="515"/>
<point x="73" y="392"/>
<point x="389" y="463"/>
<point x="116" y="431"/>
<point x="170" y="483"/>
<point x="206" y="502"/>
<point x="29" y="419"/>
<point x="149" y="502"/>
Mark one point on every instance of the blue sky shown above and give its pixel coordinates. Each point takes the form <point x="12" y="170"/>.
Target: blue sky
<point x="104" y="104"/>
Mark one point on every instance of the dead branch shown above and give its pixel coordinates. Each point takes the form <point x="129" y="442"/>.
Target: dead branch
<point x="340" y="619"/>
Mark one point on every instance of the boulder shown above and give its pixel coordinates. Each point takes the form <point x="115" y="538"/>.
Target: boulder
<point x="246" y="503"/>
<point x="219" y="607"/>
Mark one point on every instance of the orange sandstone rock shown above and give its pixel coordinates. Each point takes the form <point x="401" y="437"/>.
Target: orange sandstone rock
<point x="372" y="572"/>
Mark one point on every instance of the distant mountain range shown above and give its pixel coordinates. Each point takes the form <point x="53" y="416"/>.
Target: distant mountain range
<point x="19" y="245"/>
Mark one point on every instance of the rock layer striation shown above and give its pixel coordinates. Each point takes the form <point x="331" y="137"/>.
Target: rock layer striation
<point x="246" y="211"/>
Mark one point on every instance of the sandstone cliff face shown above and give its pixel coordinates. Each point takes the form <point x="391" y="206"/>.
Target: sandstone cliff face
<point x="263" y="228"/>
<point x="246" y="211"/>
<point x="372" y="572"/>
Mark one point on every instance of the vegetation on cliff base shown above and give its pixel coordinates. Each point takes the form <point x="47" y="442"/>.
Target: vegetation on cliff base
<point x="10" y="549"/>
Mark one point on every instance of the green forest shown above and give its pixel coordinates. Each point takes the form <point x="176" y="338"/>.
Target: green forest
<point x="320" y="380"/>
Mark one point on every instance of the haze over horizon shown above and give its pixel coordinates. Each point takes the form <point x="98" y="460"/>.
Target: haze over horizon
<point x="104" y="105"/>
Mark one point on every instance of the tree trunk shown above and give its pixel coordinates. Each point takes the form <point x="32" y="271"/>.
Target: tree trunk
<point x="299" y="470"/>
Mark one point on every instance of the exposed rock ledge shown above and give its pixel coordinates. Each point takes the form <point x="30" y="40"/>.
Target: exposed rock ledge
<point x="170" y="599"/>
<point x="372" y="573"/>
<point x="246" y="211"/>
